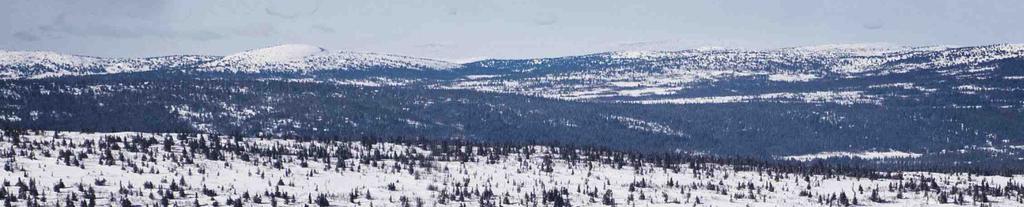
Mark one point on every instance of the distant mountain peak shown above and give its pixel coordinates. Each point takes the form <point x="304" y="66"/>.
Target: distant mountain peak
<point x="276" y="54"/>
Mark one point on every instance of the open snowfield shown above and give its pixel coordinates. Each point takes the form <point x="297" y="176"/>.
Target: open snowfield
<point x="145" y="168"/>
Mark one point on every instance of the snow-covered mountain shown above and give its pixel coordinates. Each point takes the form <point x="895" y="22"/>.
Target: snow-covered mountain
<point x="306" y="58"/>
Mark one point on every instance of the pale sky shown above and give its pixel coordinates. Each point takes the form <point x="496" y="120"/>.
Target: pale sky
<point x="474" y="29"/>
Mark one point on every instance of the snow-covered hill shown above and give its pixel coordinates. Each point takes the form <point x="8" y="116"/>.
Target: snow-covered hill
<point x="118" y="169"/>
<point x="305" y="58"/>
<point x="829" y="73"/>
<point x="34" y="65"/>
<point x="289" y="58"/>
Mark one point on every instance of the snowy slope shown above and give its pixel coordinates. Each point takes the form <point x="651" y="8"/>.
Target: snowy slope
<point x="104" y="169"/>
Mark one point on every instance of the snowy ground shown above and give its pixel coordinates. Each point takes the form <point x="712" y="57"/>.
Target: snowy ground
<point x="297" y="173"/>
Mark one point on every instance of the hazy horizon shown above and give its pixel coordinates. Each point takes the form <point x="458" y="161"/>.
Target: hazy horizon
<point x="469" y="30"/>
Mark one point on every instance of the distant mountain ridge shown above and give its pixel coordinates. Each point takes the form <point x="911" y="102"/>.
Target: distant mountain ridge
<point x="34" y="65"/>
<point x="840" y="59"/>
<point x="289" y="58"/>
<point x="826" y="73"/>
<point x="305" y="58"/>
<point x="844" y="74"/>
